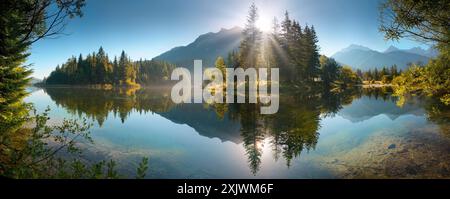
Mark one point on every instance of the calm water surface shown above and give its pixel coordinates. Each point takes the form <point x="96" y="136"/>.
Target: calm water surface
<point x="360" y="134"/>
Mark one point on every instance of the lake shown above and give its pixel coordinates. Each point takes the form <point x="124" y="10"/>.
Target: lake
<point x="361" y="133"/>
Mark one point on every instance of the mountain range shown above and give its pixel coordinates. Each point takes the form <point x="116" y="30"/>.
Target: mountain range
<point x="206" y="47"/>
<point x="430" y="52"/>
<point x="361" y="57"/>
<point x="209" y="46"/>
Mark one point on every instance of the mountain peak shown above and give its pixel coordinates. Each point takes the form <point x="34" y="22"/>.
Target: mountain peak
<point x="431" y="52"/>
<point x="222" y="31"/>
<point x="391" y="49"/>
<point x="360" y="57"/>
<point x="206" y="47"/>
<point x="416" y="48"/>
<point x="355" y="47"/>
<point x="233" y="29"/>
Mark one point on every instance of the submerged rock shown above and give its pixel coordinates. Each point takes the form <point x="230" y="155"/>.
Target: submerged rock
<point x="392" y="146"/>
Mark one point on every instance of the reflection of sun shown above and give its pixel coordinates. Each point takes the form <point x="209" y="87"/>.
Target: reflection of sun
<point x="260" y="145"/>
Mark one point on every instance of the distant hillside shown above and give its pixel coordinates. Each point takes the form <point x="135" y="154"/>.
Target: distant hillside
<point x="34" y="81"/>
<point x="430" y="52"/>
<point x="360" y="57"/>
<point x="206" y="47"/>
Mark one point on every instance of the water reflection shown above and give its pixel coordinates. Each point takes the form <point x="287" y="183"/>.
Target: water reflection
<point x="288" y="133"/>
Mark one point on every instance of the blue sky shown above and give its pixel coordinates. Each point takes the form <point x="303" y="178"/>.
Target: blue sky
<point x="147" y="28"/>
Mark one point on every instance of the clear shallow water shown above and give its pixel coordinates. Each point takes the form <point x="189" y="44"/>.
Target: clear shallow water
<point x="361" y="134"/>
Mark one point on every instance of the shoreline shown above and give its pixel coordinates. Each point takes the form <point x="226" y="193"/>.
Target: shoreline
<point x="376" y="85"/>
<point x="103" y="87"/>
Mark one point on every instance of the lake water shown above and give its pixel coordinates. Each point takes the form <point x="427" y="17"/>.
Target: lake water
<point x="358" y="134"/>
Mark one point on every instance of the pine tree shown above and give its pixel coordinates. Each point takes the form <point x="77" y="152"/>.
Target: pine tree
<point x="96" y="68"/>
<point x="220" y="64"/>
<point x="80" y="68"/>
<point x="284" y="54"/>
<point x="93" y="68"/>
<point x="101" y="66"/>
<point x="116" y="70"/>
<point x="376" y="75"/>
<point x="250" y="45"/>
<point x="233" y="59"/>
<point x="22" y="23"/>
<point x="359" y="73"/>
<point x="329" y="70"/>
<point x="311" y="53"/>
<point x="275" y="54"/>
<point x="123" y="62"/>
<point x="298" y="47"/>
<point x="286" y="31"/>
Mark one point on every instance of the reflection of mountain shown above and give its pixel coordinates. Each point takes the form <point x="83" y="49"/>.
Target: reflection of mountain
<point x="100" y="104"/>
<point x="205" y="122"/>
<point x="293" y="129"/>
<point x="32" y="89"/>
<point x="366" y="107"/>
<point x="206" y="47"/>
<point x="34" y="81"/>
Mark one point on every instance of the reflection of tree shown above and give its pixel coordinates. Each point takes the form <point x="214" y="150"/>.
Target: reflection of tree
<point x="295" y="127"/>
<point x="384" y="93"/>
<point x="438" y="113"/>
<point x="221" y="109"/>
<point x="97" y="104"/>
<point x="331" y="102"/>
<point x="252" y="133"/>
<point x="290" y="131"/>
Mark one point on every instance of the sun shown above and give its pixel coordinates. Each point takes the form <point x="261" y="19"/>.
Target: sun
<point x="264" y="23"/>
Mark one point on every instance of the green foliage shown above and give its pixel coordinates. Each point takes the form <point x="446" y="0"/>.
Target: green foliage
<point x="250" y="47"/>
<point x="23" y="22"/>
<point x="432" y="80"/>
<point x="98" y="69"/>
<point x="347" y="77"/>
<point x="153" y="71"/>
<point x="386" y="75"/>
<point x="438" y="73"/>
<point x="33" y="152"/>
<point x="334" y="75"/>
<point x="220" y="64"/>
<point x="30" y="151"/>
<point x="423" y="21"/>
<point x="292" y="49"/>
<point x="410" y="82"/>
<point x="329" y="70"/>
<point x="418" y="19"/>
<point x="295" y="51"/>
<point x="233" y="59"/>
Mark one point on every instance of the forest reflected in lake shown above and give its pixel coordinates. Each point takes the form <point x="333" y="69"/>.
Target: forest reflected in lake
<point x="356" y="133"/>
